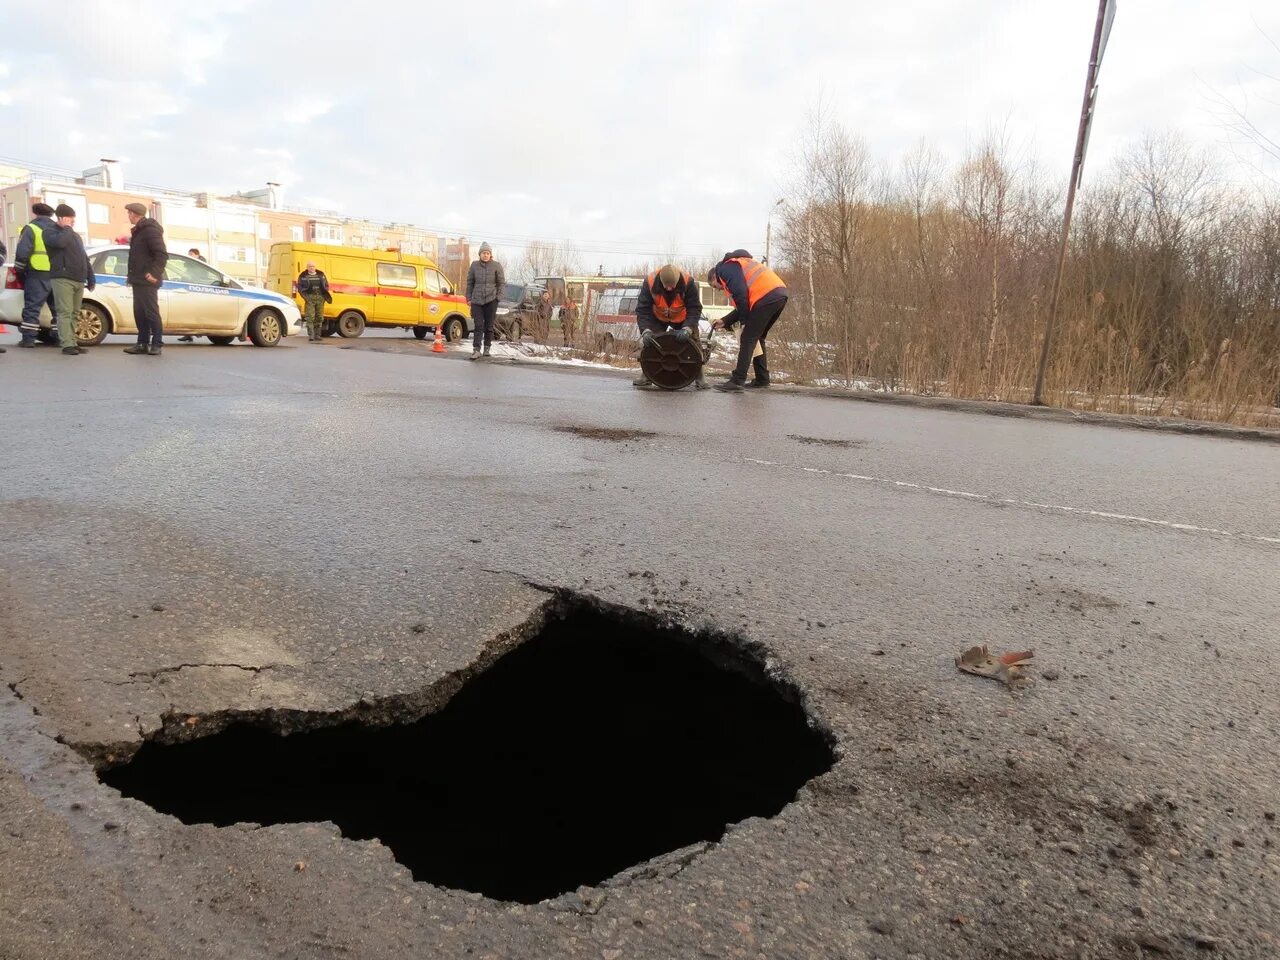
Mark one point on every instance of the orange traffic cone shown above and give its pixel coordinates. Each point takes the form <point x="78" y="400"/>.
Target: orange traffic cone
<point x="438" y="345"/>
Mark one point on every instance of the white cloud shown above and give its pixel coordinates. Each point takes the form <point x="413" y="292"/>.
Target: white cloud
<point x="578" y="119"/>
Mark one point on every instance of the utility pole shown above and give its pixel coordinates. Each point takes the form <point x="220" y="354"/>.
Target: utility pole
<point x="768" y="227"/>
<point x="1106" y="13"/>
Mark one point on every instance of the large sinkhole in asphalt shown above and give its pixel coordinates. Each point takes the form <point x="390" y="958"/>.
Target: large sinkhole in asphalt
<point x="598" y="744"/>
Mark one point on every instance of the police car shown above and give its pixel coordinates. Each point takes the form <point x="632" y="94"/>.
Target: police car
<point x="195" y="300"/>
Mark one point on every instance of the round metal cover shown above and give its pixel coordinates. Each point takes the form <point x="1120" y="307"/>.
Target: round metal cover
<point x="669" y="362"/>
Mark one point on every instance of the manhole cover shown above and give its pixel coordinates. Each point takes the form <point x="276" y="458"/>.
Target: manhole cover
<point x="598" y="744"/>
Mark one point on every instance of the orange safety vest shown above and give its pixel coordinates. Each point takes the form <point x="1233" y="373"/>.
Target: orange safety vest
<point x="669" y="311"/>
<point x="760" y="279"/>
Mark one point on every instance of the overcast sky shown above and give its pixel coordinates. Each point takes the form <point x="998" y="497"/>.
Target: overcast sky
<point x="633" y="129"/>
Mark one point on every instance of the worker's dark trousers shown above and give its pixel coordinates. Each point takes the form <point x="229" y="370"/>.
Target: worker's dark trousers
<point x="146" y="314"/>
<point x="755" y="329"/>
<point x="483" y="316"/>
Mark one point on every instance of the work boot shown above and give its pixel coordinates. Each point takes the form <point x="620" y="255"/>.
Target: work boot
<point x="475" y="354"/>
<point x="27" y="342"/>
<point x="486" y="349"/>
<point x="642" y="381"/>
<point x="136" y="349"/>
<point x="729" y="386"/>
<point x="757" y="384"/>
<point x="71" y="351"/>
<point x="153" y="350"/>
<point x="700" y="383"/>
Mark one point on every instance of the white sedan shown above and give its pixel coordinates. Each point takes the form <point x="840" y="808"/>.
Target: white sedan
<point x="195" y="300"/>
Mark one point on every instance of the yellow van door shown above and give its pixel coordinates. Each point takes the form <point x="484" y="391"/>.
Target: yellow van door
<point x="398" y="299"/>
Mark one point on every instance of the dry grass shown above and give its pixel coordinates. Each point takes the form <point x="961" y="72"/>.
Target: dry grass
<point x="937" y="282"/>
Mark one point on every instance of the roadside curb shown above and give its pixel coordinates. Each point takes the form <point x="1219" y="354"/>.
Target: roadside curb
<point x="995" y="408"/>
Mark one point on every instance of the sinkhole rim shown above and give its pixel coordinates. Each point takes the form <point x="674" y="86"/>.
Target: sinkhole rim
<point x="733" y="671"/>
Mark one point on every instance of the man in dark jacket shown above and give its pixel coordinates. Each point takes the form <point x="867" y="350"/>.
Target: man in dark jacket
<point x="485" y="285"/>
<point x="758" y="296"/>
<point x="669" y="300"/>
<point x="31" y="260"/>
<point x="147" y="259"/>
<point x="313" y="286"/>
<point x="71" y="273"/>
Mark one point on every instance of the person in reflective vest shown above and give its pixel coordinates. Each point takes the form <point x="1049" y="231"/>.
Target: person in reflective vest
<point x="759" y="297"/>
<point x="31" y="261"/>
<point x="669" y="300"/>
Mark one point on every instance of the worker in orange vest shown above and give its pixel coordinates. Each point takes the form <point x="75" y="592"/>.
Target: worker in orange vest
<point x="669" y="300"/>
<point x="758" y="296"/>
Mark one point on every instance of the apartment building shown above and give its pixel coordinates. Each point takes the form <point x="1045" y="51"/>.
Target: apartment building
<point x="234" y="233"/>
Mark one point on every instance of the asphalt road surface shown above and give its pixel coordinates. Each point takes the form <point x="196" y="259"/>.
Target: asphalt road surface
<point x="355" y="526"/>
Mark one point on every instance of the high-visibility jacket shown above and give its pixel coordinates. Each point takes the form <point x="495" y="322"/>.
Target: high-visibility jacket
<point x="760" y="279"/>
<point x="669" y="307"/>
<point x="39" y="254"/>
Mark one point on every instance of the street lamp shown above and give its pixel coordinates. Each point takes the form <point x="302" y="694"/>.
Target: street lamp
<point x="768" y="227"/>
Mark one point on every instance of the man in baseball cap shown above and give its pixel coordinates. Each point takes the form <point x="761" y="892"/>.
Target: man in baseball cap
<point x="147" y="258"/>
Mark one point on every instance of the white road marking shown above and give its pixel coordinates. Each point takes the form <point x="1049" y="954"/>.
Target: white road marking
<point x="1031" y="504"/>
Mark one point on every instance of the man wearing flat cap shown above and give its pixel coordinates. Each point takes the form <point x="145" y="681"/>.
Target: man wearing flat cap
<point x="31" y="260"/>
<point x="69" y="267"/>
<point x="147" y="259"/>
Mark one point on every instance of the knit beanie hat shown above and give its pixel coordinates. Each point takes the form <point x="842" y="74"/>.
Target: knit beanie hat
<point x="485" y="248"/>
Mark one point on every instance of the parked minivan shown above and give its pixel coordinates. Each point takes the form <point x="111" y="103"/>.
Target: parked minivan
<point x="374" y="288"/>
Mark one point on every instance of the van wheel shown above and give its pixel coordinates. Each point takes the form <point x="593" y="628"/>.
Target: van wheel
<point x="329" y="328"/>
<point x="221" y="341"/>
<point x="454" y="329"/>
<point x="350" y="324"/>
<point x="92" y="325"/>
<point x="266" y="327"/>
<point x="421" y="332"/>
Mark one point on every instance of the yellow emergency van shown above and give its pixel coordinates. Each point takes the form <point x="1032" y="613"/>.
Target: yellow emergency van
<point x="373" y="288"/>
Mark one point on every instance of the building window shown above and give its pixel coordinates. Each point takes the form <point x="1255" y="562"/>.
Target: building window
<point x="263" y="259"/>
<point x="230" y="254"/>
<point x="264" y="231"/>
<point x="296" y="234"/>
<point x="99" y="213"/>
<point x="12" y="213"/>
<point x="327" y="233"/>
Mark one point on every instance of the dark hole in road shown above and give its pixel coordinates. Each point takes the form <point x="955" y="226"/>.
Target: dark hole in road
<point x="601" y="742"/>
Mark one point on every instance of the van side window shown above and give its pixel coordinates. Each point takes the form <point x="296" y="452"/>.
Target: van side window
<point x="445" y="286"/>
<point x="397" y="275"/>
<point x="431" y="281"/>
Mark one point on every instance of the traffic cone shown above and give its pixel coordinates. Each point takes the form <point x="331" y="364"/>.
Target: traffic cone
<point x="438" y="345"/>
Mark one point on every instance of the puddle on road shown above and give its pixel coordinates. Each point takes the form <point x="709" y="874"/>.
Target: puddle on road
<point x="601" y="742"/>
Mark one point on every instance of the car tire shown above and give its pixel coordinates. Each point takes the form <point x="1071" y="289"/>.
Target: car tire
<point x="329" y="328"/>
<point x="221" y="341"/>
<point x="454" y="329"/>
<point x="421" y="332"/>
<point x="350" y="324"/>
<point x="266" y="327"/>
<point x="92" y="326"/>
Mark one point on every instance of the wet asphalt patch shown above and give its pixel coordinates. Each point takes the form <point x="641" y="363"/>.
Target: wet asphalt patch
<point x="604" y="433"/>
<point x="600" y="742"/>
<point x="826" y="442"/>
